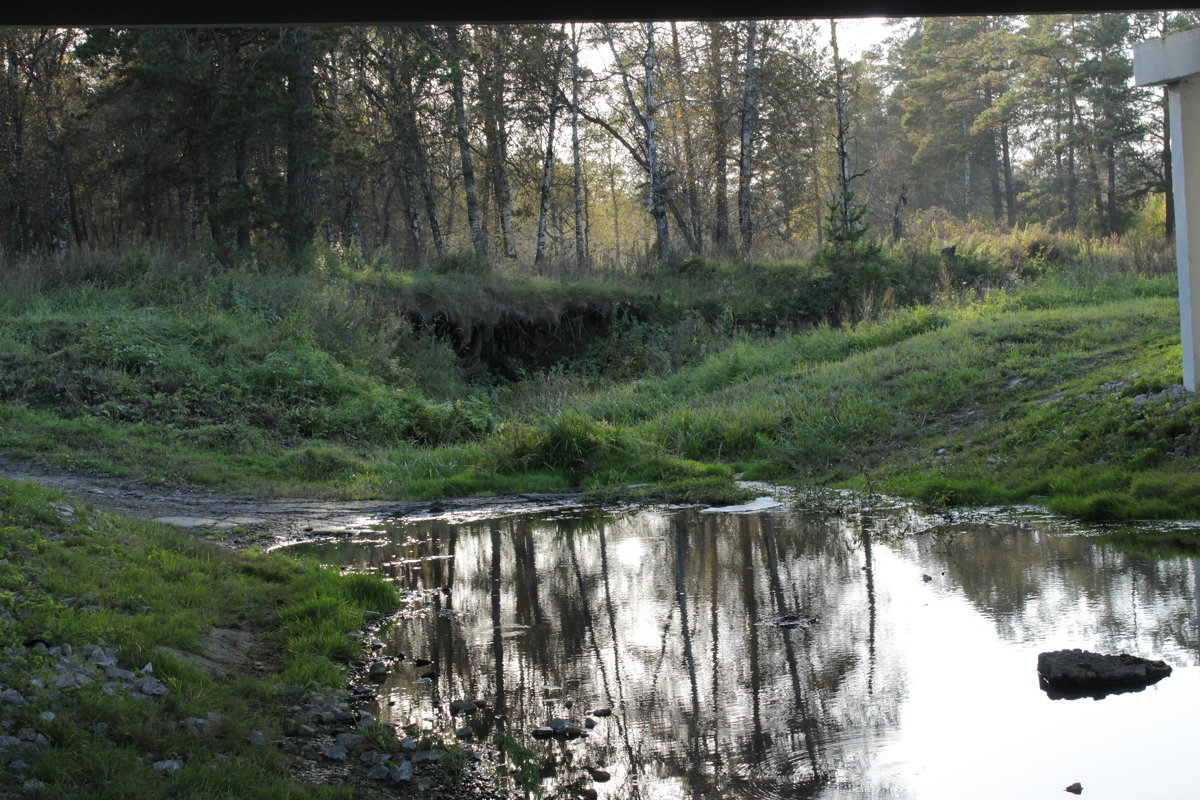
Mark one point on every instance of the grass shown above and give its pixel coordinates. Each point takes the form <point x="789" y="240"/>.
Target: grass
<point x="73" y="575"/>
<point x="933" y="383"/>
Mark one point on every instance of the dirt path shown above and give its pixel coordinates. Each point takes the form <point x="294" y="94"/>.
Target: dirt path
<point x="245" y="519"/>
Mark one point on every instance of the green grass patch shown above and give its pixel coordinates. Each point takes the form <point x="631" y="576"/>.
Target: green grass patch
<point x="70" y="575"/>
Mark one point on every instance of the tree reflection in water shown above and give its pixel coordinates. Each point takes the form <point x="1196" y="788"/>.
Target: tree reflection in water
<point x="667" y="618"/>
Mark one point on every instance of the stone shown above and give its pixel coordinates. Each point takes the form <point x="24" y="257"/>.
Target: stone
<point x="589" y="723"/>
<point x="378" y="669"/>
<point x="1081" y="673"/>
<point x="1075" y="788"/>
<point x="168" y="765"/>
<point x="153" y="688"/>
<point x="465" y="732"/>
<point x="460" y="707"/>
<point x="258" y="739"/>
<point x="542" y="732"/>
<point x="379" y="772"/>
<point x="558" y="724"/>
<point x="602" y="712"/>
<point x="401" y="773"/>
<point x="349" y="739"/>
<point x="334" y="752"/>
<point x="12" y="697"/>
<point x="599" y="775"/>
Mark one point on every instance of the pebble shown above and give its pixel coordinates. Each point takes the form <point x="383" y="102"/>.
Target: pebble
<point x="401" y="773"/>
<point x="168" y="765"/>
<point x="602" y="712"/>
<point x="334" y="752"/>
<point x="12" y="697"/>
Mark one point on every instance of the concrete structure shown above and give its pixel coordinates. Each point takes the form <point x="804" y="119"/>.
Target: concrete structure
<point x="1175" y="61"/>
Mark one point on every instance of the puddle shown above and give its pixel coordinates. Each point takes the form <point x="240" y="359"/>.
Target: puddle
<point x="778" y="654"/>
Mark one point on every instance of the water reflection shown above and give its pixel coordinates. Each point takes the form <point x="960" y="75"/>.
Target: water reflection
<point x="904" y="687"/>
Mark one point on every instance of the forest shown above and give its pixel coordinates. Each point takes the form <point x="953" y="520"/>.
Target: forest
<point x="561" y="147"/>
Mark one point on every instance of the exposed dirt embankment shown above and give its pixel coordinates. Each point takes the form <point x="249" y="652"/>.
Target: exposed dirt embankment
<point x="513" y="342"/>
<point x="244" y="519"/>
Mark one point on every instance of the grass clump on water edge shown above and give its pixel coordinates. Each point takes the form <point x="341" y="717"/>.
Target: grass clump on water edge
<point x="70" y="575"/>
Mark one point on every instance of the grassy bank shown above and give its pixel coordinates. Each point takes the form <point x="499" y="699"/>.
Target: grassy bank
<point x="1028" y="368"/>
<point x="101" y="622"/>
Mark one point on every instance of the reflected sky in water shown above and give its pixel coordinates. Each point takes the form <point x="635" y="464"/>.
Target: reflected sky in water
<point x="918" y="679"/>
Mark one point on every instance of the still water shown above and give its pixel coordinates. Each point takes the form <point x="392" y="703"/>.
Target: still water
<point x="917" y="679"/>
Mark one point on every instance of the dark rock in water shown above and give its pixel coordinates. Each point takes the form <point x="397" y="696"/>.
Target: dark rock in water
<point x="378" y="669"/>
<point x="602" y="712"/>
<point x="465" y="732"/>
<point x="421" y="662"/>
<point x="927" y="578"/>
<point x="796" y="621"/>
<point x="599" y="775"/>
<point x="431" y="674"/>
<point x="572" y="732"/>
<point x="1075" y="788"/>
<point x="542" y="732"/>
<point x="557" y="724"/>
<point x="1079" y="673"/>
<point x="460" y="707"/>
<point x="589" y="723"/>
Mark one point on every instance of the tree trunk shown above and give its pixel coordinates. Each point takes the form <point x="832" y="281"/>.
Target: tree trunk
<point x="720" y="234"/>
<point x="690" y="180"/>
<point x="496" y="130"/>
<point x="745" y="173"/>
<point x="580" y="246"/>
<point x="657" y="206"/>
<point x="464" y="144"/>
<point x="1010" y="191"/>
<point x="548" y="162"/>
<point x="301" y="141"/>
<point x="994" y="180"/>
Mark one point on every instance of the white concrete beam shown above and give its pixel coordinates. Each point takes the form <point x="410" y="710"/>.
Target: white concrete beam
<point x="1175" y="61"/>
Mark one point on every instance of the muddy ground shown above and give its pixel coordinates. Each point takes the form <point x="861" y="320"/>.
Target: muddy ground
<point x="244" y="520"/>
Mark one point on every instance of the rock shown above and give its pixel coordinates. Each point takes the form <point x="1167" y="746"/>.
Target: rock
<point x="558" y="724"/>
<point x="258" y="739"/>
<point x="349" y="739"/>
<point x="401" y="773"/>
<point x="365" y="719"/>
<point x="465" y="732"/>
<point x="460" y="707"/>
<point x="12" y="697"/>
<point x="153" y="688"/>
<point x="431" y="674"/>
<point x="421" y="662"/>
<point x="542" y="732"/>
<point x="378" y="669"/>
<point x="927" y="578"/>
<point x="168" y="765"/>
<point x="1075" y="788"/>
<point x="334" y="752"/>
<point x="589" y="723"/>
<point x="379" y="772"/>
<point x="602" y="712"/>
<point x="1080" y="673"/>
<point x="599" y="775"/>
